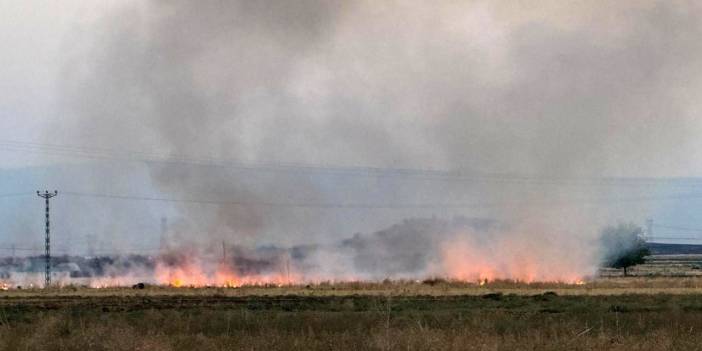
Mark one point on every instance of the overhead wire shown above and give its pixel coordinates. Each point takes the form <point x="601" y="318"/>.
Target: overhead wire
<point x="418" y="174"/>
<point x="663" y="226"/>
<point x="411" y="173"/>
<point x="378" y="205"/>
<point x="15" y="194"/>
<point x="671" y="238"/>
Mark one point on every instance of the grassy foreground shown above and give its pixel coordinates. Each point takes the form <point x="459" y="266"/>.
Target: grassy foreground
<point x="605" y="315"/>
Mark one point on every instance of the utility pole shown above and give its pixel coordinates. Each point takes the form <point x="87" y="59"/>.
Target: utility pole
<point x="649" y="230"/>
<point x="224" y="252"/>
<point x="91" y="245"/>
<point x="287" y="267"/>
<point x="163" y="240"/>
<point x="46" y="195"/>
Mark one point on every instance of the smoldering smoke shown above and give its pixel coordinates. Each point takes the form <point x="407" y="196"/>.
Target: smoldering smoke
<point x="469" y="249"/>
<point x="482" y="87"/>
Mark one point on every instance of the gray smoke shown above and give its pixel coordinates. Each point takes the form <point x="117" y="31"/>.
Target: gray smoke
<point x="556" y="92"/>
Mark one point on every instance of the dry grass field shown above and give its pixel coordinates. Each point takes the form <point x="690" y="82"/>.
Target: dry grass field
<point x="607" y="314"/>
<point x="438" y="287"/>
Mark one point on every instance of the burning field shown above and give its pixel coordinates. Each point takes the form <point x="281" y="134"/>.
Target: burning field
<point x="350" y="175"/>
<point x="467" y="141"/>
<point x="468" y="250"/>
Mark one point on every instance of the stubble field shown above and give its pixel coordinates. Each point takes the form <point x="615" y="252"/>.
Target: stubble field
<point x="613" y="314"/>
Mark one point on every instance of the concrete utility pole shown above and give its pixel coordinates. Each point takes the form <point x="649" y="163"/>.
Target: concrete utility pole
<point x="46" y="195"/>
<point x="224" y="252"/>
<point x="649" y="230"/>
<point x="91" y="245"/>
<point x="163" y="240"/>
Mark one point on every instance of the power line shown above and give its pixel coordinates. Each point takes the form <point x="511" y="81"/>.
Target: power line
<point x="288" y="168"/>
<point x="269" y="204"/>
<point x="371" y="205"/>
<point x="678" y="228"/>
<point x="20" y="249"/>
<point x="15" y="195"/>
<point x="333" y="205"/>
<point x="677" y="234"/>
<point x="672" y="238"/>
<point x="65" y="250"/>
<point x="412" y="173"/>
<point x="172" y="158"/>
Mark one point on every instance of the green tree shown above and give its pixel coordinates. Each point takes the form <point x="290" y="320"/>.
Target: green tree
<point x="623" y="246"/>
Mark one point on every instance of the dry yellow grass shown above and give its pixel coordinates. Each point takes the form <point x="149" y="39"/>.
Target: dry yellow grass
<point x="609" y="286"/>
<point x="612" y="314"/>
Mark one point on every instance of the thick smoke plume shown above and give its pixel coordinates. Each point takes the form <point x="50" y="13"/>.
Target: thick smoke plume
<point x="540" y="102"/>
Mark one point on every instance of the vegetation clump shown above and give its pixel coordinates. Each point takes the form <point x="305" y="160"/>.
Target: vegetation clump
<point x="624" y="246"/>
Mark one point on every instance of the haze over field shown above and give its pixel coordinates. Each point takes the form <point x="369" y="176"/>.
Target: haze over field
<point x="541" y="120"/>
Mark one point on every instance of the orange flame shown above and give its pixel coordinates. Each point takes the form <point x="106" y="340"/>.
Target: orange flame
<point x="466" y="260"/>
<point x="193" y="274"/>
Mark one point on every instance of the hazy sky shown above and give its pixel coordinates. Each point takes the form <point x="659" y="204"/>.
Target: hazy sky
<point x="644" y="53"/>
<point x="36" y="38"/>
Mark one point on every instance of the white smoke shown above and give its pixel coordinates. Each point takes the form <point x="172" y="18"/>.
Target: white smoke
<point x="556" y="92"/>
